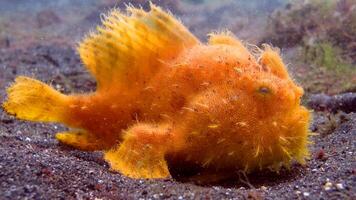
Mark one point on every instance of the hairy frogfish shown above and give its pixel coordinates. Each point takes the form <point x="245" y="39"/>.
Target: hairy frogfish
<point x="166" y="99"/>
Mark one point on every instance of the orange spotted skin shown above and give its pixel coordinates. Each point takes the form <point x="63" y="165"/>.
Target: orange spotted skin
<point x="213" y="105"/>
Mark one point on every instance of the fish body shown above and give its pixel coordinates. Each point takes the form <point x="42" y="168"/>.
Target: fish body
<point x="163" y="96"/>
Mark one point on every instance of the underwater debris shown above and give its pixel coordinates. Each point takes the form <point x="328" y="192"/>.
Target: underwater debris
<point x="152" y="100"/>
<point x="342" y="102"/>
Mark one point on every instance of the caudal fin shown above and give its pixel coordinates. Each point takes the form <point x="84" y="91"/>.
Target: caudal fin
<point x="33" y="100"/>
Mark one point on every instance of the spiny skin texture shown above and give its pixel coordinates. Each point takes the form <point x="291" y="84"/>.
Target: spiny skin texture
<point x="164" y="96"/>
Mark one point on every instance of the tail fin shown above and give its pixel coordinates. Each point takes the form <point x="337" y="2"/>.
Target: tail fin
<point x="33" y="100"/>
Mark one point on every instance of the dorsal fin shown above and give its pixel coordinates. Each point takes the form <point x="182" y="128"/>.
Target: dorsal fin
<point x="129" y="48"/>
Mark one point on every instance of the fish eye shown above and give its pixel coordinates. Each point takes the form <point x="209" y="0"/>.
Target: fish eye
<point x="264" y="90"/>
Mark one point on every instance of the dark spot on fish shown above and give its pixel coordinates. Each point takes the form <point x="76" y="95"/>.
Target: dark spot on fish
<point x="177" y="101"/>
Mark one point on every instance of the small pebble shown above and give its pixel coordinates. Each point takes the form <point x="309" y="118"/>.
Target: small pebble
<point x="306" y="194"/>
<point x="339" y="186"/>
<point x="321" y="155"/>
<point x="264" y="188"/>
<point x="328" y="186"/>
<point x="297" y="192"/>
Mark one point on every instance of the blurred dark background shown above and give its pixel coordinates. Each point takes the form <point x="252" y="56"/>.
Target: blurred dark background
<point x="36" y="20"/>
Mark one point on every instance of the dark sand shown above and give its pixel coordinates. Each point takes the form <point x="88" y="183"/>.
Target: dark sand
<point x="34" y="166"/>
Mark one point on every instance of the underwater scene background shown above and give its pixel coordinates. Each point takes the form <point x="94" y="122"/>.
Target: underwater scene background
<point x="316" y="38"/>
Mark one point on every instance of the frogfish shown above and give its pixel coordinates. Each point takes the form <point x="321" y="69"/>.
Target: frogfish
<point x="165" y="99"/>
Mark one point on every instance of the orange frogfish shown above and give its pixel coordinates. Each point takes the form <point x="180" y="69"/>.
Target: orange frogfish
<point x="163" y="98"/>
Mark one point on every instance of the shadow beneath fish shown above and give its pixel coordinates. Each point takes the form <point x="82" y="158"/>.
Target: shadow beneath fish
<point x="196" y="175"/>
